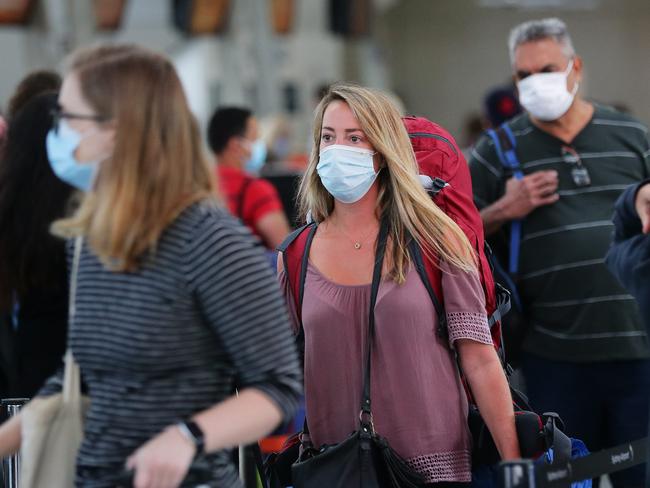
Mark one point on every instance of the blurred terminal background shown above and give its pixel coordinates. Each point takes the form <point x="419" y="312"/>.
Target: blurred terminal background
<point x="439" y="57"/>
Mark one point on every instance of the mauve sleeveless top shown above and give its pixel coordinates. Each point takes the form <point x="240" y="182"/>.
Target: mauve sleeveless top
<point x="418" y="402"/>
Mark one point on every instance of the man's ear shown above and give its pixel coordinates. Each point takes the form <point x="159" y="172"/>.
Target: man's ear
<point x="233" y="146"/>
<point x="577" y="67"/>
<point x="230" y="144"/>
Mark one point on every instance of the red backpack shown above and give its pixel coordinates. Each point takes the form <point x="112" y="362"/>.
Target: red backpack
<point x="440" y="159"/>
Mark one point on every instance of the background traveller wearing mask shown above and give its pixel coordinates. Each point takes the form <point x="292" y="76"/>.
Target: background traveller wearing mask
<point x="233" y="137"/>
<point x="586" y="352"/>
<point x="165" y="326"/>
<point x="33" y="276"/>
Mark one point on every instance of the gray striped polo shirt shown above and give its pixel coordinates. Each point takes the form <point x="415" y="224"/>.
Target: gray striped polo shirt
<point x="577" y="310"/>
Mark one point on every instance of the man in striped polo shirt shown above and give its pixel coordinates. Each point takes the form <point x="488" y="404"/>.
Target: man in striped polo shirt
<point x="586" y="351"/>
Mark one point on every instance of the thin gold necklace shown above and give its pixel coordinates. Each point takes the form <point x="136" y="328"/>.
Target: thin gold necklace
<point x="357" y="244"/>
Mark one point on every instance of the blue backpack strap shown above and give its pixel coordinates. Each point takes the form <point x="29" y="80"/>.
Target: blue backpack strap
<point x="505" y="145"/>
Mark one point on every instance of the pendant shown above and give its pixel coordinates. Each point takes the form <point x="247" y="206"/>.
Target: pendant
<point x="357" y="245"/>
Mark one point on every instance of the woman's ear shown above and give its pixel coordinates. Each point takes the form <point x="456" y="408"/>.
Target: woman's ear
<point x="108" y="136"/>
<point x="378" y="161"/>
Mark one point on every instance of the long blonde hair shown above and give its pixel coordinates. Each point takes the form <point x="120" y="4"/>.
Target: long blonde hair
<point x="157" y="168"/>
<point x="402" y="200"/>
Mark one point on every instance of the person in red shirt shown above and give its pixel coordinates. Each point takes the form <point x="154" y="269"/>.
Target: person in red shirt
<point x="233" y="137"/>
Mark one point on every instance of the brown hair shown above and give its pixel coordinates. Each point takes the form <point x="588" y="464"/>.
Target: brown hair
<point x="402" y="199"/>
<point x="32" y="85"/>
<point x="157" y="167"/>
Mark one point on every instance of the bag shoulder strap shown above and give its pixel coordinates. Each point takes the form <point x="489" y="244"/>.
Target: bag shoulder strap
<point x="430" y="276"/>
<point x="365" y="416"/>
<point x="71" y="375"/>
<point x="366" y="413"/>
<point x="295" y="258"/>
<point x="505" y="145"/>
<point x="241" y="201"/>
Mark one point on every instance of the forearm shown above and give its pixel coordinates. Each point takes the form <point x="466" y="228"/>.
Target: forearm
<point x="490" y="389"/>
<point x="273" y="228"/>
<point x="10" y="436"/>
<point x="239" y="420"/>
<point x="521" y="197"/>
<point x="494" y="216"/>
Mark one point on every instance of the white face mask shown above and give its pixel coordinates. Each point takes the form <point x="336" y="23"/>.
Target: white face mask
<point x="545" y="95"/>
<point x="346" y="172"/>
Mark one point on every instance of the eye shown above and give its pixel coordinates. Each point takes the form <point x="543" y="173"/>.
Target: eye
<point x="326" y="138"/>
<point x="356" y="139"/>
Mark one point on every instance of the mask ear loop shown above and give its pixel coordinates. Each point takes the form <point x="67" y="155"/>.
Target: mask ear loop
<point x="382" y="163"/>
<point x="576" y="85"/>
<point x="101" y="158"/>
<point x="569" y="67"/>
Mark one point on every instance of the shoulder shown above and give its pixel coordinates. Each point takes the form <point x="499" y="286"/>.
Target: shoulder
<point x="230" y="180"/>
<point x="207" y="220"/>
<point x="608" y="117"/>
<point x="259" y="199"/>
<point x="520" y="126"/>
<point x="261" y="187"/>
<point x="205" y="210"/>
<point x="483" y="159"/>
<point x="520" y="123"/>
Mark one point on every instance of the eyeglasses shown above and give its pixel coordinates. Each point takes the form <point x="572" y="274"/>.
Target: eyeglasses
<point x="579" y="173"/>
<point x="58" y="114"/>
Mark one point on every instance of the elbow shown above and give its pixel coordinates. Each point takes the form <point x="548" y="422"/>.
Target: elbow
<point x="284" y="397"/>
<point x="476" y="357"/>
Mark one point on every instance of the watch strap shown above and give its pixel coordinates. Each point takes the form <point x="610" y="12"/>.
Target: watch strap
<point x="193" y="432"/>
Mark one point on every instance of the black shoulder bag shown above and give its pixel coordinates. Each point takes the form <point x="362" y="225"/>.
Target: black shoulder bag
<point x="364" y="459"/>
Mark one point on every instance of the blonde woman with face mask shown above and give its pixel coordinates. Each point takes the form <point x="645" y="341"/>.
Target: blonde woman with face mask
<point x="175" y="304"/>
<point x="362" y="176"/>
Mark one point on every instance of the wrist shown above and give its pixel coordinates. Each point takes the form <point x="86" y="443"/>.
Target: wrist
<point x="635" y="194"/>
<point x="193" y="434"/>
<point x="503" y="209"/>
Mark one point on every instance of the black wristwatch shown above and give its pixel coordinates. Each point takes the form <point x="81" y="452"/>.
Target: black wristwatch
<point x="193" y="432"/>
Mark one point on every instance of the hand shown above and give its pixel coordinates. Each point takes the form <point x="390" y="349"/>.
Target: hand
<point x="532" y="191"/>
<point x="3" y="129"/>
<point x="642" y="205"/>
<point x="163" y="462"/>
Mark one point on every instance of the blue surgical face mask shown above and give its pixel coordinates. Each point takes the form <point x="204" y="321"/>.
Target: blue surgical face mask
<point x="346" y="172"/>
<point x="257" y="158"/>
<point x="61" y="145"/>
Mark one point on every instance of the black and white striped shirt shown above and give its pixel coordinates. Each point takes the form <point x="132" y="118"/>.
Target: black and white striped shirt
<point x="201" y="316"/>
<point x="576" y="309"/>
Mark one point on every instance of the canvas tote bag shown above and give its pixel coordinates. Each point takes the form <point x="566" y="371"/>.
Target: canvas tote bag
<point x="52" y="427"/>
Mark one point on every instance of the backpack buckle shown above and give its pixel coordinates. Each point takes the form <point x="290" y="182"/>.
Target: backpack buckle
<point x="433" y="186"/>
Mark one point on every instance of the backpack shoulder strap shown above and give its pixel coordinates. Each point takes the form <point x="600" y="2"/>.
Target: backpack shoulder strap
<point x="241" y="200"/>
<point x="295" y="256"/>
<point x="430" y="276"/>
<point x="505" y="145"/>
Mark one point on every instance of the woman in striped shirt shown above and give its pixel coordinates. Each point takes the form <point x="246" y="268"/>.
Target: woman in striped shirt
<point x="176" y="306"/>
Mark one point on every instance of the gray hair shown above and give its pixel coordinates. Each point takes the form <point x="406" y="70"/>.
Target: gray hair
<point x="536" y="30"/>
